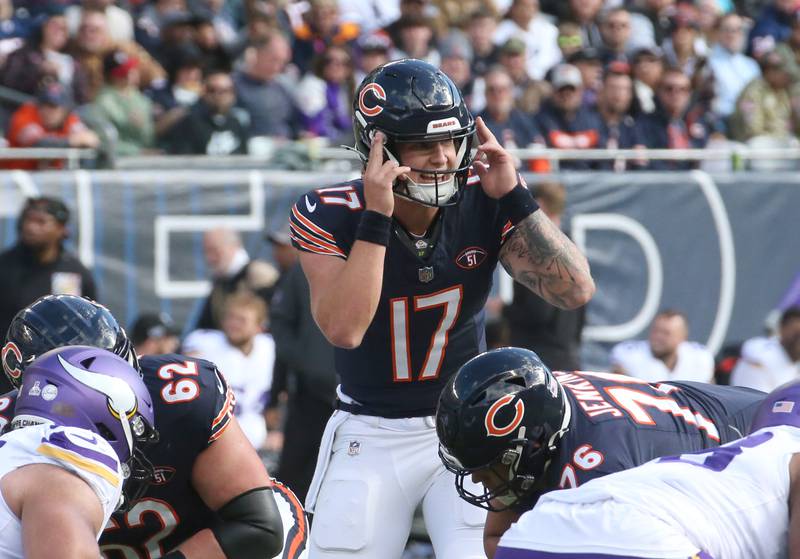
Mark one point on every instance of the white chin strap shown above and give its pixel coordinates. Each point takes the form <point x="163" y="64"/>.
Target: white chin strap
<point x="426" y="192"/>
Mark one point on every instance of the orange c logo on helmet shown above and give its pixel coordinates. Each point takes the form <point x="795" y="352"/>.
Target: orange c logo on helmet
<point x="14" y="370"/>
<point x="519" y="410"/>
<point x="378" y="92"/>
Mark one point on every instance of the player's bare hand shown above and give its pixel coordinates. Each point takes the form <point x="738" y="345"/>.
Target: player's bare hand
<point x="494" y="165"/>
<point x="379" y="177"/>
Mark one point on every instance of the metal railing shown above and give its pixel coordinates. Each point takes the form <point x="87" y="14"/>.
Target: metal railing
<point x="71" y="156"/>
<point x="327" y="157"/>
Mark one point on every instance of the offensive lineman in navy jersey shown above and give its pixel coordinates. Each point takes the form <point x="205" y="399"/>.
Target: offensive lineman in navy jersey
<point x="211" y="497"/>
<point x="505" y="420"/>
<point x="400" y="264"/>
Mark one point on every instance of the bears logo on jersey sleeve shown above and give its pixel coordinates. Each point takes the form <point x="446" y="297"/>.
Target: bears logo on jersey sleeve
<point x="225" y="407"/>
<point x="323" y="221"/>
<point x="502" y="222"/>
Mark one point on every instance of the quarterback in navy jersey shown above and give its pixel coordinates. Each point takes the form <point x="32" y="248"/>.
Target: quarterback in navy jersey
<point x="509" y="422"/>
<point x="209" y="495"/>
<point x="400" y="264"/>
<point x="438" y="295"/>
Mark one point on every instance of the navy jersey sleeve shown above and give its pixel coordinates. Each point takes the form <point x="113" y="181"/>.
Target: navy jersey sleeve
<point x="190" y="392"/>
<point x="323" y="221"/>
<point x="502" y="221"/>
<point x="619" y="422"/>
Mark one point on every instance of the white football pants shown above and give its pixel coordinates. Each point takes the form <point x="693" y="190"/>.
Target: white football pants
<point x="371" y="474"/>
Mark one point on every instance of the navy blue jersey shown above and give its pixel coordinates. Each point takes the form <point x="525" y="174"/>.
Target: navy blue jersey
<point x="429" y="319"/>
<point x="193" y="406"/>
<point x="619" y="422"/>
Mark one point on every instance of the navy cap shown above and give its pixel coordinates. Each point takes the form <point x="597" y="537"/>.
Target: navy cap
<point x="53" y="93"/>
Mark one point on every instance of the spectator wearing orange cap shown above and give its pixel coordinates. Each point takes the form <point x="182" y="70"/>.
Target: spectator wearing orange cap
<point x="122" y="104"/>
<point x="321" y="27"/>
<point x="47" y="122"/>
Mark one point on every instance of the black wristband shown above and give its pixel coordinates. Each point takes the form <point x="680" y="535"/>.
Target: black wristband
<point x="374" y="227"/>
<point x="174" y="554"/>
<point x="518" y="204"/>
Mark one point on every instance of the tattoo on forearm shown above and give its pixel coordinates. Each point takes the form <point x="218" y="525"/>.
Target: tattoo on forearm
<point x="541" y="257"/>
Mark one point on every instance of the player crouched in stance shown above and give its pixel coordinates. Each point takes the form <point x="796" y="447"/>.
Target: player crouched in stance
<point x="211" y="497"/>
<point x="738" y="501"/>
<point x="508" y="422"/>
<point x="80" y="420"/>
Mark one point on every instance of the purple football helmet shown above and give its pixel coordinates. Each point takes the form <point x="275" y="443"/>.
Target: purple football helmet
<point x="91" y="388"/>
<point x="780" y="407"/>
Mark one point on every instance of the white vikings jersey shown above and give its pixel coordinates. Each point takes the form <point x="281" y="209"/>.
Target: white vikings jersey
<point x="764" y="365"/>
<point x="248" y="376"/>
<point x="634" y="358"/>
<point x="79" y="451"/>
<point x="730" y="501"/>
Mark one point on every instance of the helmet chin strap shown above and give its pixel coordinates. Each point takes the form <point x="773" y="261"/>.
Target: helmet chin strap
<point x="510" y="498"/>
<point x="551" y="444"/>
<point x="432" y="193"/>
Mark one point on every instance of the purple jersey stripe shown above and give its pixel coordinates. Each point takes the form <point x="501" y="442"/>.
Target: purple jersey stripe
<point x="60" y="440"/>
<point x="515" y="553"/>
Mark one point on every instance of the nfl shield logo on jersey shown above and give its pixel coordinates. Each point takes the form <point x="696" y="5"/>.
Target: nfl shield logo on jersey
<point x="426" y="274"/>
<point x="354" y="449"/>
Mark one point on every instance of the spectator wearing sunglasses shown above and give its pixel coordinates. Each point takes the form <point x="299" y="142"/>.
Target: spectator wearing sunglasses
<point x="213" y="125"/>
<point x="669" y="126"/>
<point x="323" y="96"/>
<point x="615" y="28"/>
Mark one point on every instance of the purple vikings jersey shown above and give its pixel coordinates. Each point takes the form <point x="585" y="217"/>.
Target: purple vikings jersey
<point x="429" y="319"/>
<point x="619" y="422"/>
<point x="193" y="406"/>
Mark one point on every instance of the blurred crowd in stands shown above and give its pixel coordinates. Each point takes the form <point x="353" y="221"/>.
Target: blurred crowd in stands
<point x="221" y="77"/>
